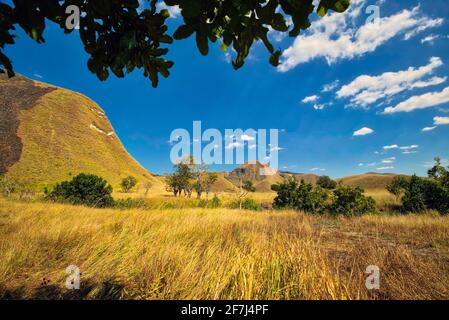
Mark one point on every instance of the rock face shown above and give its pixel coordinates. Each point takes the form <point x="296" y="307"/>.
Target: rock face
<point x="260" y="174"/>
<point x="49" y="134"/>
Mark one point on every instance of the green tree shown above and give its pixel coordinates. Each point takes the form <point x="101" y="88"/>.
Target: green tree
<point x="128" y="183"/>
<point x="84" y="189"/>
<point x="182" y="180"/>
<point x="300" y="196"/>
<point x="418" y="194"/>
<point x="350" y="201"/>
<point x="398" y="185"/>
<point x="119" y="36"/>
<point x="210" y="181"/>
<point x="326" y="183"/>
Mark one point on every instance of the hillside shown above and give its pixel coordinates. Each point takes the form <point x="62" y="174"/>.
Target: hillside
<point x="370" y="180"/>
<point x="307" y="177"/>
<point x="48" y="134"/>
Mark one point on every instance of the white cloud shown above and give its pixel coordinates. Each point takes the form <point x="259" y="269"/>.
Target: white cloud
<point x="427" y="129"/>
<point x="393" y="146"/>
<point x="389" y="160"/>
<point x="317" y="169"/>
<point x="429" y="39"/>
<point x="319" y="106"/>
<point x="414" y="146"/>
<point x="363" y="132"/>
<point x="440" y="121"/>
<point x="233" y="145"/>
<point x="365" y="89"/>
<point x="175" y="11"/>
<point x="330" y="86"/>
<point x="310" y="99"/>
<point x="37" y="75"/>
<point x="246" y="137"/>
<point x="384" y="168"/>
<point x="361" y="164"/>
<point x="424" y="25"/>
<point x="409" y="152"/>
<point x="424" y="101"/>
<point x="333" y="37"/>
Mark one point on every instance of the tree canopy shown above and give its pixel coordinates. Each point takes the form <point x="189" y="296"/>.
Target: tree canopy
<point x="120" y="35"/>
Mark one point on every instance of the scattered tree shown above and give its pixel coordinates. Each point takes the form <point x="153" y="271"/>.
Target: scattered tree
<point x="397" y="186"/>
<point x="300" y="196"/>
<point x="345" y="200"/>
<point x="120" y="36"/>
<point x="419" y="194"/>
<point x="326" y="183"/>
<point x="128" y="183"/>
<point x="84" y="189"/>
<point x="245" y="188"/>
<point x="147" y="186"/>
<point x="350" y="201"/>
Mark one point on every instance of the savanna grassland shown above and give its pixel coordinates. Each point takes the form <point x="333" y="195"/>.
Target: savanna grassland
<point x="201" y="253"/>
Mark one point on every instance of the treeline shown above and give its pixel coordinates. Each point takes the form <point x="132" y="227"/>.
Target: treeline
<point x="188" y="177"/>
<point x="420" y="194"/>
<point x="326" y="197"/>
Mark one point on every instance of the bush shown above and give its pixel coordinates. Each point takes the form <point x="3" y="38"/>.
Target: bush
<point x="245" y="204"/>
<point x="215" y="202"/>
<point x="129" y="203"/>
<point x="351" y="201"/>
<point x="326" y="183"/>
<point x="84" y="189"/>
<point x="425" y="194"/>
<point x="300" y="196"/>
<point x="128" y="183"/>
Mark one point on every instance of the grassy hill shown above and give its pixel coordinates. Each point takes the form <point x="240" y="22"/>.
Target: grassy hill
<point x="49" y="134"/>
<point x="369" y="180"/>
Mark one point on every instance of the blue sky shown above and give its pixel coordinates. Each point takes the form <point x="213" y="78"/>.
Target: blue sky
<point x="388" y="80"/>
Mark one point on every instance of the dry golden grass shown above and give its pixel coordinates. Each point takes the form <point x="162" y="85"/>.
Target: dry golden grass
<point x="218" y="254"/>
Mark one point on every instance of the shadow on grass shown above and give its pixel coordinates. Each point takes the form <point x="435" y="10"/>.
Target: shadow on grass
<point x="109" y="289"/>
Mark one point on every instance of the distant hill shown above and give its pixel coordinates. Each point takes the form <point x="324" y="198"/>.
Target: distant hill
<point x="223" y="184"/>
<point x="260" y="174"/>
<point x="307" y="177"/>
<point x="49" y="134"/>
<point x="370" y="180"/>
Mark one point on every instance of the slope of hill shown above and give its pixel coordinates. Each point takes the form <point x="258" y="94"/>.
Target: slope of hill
<point x="370" y="180"/>
<point x="48" y="134"/>
<point x="307" y="177"/>
<point x="222" y="184"/>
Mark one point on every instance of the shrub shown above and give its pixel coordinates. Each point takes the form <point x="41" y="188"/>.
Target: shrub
<point x="215" y="202"/>
<point x="351" y="201"/>
<point x="245" y="204"/>
<point x="326" y="183"/>
<point x="84" y="189"/>
<point x="422" y="194"/>
<point x="300" y="196"/>
<point x="128" y="183"/>
<point x="131" y="204"/>
<point x="397" y="185"/>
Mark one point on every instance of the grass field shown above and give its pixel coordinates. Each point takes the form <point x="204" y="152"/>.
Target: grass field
<point x="218" y="254"/>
